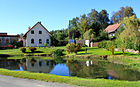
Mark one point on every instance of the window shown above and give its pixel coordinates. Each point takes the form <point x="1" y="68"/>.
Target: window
<point x="32" y="32"/>
<point x="7" y="40"/>
<point x="47" y="41"/>
<point x="40" y="32"/>
<point x="40" y="41"/>
<point x="32" y="41"/>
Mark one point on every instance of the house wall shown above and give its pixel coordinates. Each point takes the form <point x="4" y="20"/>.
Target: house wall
<point x="3" y="41"/>
<point x="36" y="36"/>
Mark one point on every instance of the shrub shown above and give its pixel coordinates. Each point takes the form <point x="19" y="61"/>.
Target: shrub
<point x="58" y="52"/>
<point x="45" y="44"/>
<point x="103" y="44"/>
<point x="32" y="49"/>
<point x="72" y="47"/>
<point x="23" y="49"/>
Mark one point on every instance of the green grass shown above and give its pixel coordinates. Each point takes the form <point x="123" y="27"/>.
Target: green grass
<point x="39" y="51"/>
<point x="42" y="50"/>
<point x="70" y="80"/>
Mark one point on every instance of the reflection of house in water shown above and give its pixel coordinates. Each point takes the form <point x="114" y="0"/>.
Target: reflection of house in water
<point x="42" y="66"/>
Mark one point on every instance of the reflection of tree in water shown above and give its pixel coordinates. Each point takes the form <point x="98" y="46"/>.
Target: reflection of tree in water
<point x="11" y="64"/>
<point x="102" y="70"/>
<point x="81" y="70"/>
<point x="59" y="60"/>
<point x="122" y="72"/>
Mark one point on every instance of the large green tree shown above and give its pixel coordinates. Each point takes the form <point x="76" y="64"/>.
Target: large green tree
<point x="83" y="24"/>
<point x="89" y="35"/>
<point x="123" y="12"/>
<point x="130" y="37"/>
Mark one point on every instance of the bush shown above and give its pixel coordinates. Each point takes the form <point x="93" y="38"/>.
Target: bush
<point x="45" y="44"/>
<point x="72" y="47"/>
<point x="103" y="44"/>
<point x="58" y="52"/>
<point x="23" y="49"/>
<point x="106" y="44"/>
<point x="32" y="49"/>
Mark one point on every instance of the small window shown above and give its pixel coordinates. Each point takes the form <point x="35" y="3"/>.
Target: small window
<point x="32" y="41"/>
<point x="32" y="32"/>
<point x="47" y="41"/>
<point x="40" y="32"/>
<point x="7" y="40"/>
<point x="40" y="41"/>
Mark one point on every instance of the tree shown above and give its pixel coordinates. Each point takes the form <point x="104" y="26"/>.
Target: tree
<point x="121" y="14"/>
<point x="74" y="34"/>
<point x="130" y="37"/>
<point x="83" y="24"/>
<point x="89" y="35"/>
<point x="103" y="18"/>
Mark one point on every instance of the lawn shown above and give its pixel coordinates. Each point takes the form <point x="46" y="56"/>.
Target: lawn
<point x="41" y="50"/>
<point x="70" y="80"/>
<point x="101" y="51"/>
<point x="49" y="50"/>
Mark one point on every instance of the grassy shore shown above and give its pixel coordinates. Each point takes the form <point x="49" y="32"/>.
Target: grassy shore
<point x="39" y="51"/>
<point x="49" y="50"/>
<point x="70" y="80"/>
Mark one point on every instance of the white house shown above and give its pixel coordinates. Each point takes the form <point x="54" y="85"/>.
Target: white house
<point x="38" y="35"/>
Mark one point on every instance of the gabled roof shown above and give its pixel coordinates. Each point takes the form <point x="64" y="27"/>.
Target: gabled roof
<point x="112" y="28"/>
<point x="34" y="26"/>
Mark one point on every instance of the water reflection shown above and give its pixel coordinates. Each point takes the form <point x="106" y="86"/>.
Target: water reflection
<point x="85" y="69"/>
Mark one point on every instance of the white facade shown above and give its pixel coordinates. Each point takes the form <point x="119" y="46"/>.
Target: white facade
<point x="37" y="36"/>
<point x="87" y="42"/>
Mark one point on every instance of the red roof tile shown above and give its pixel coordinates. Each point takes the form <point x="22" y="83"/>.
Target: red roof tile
<point x="112" y="28"/>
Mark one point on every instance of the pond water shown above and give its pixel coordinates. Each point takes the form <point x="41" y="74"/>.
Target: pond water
<point x="85" y="69"/>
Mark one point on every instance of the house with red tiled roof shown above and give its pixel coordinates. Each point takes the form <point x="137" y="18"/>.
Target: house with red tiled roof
<point x="111" y="29"/>
<point x="38" y="35"/>
<point x="6" y="39"/>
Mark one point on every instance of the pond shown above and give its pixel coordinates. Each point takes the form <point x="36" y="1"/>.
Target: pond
<point x="85" y="69"/>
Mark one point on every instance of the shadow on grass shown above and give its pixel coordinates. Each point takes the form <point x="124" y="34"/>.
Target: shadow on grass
<point x="129" y="54"/>
<point x="83" y="53"/>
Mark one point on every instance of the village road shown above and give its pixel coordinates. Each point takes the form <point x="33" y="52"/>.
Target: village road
<point x="8" y="81"/>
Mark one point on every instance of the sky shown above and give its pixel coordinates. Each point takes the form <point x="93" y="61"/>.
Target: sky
<point x="17" y="15"/>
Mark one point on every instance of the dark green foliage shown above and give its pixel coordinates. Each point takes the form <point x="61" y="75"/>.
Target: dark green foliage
<point x="59" y="37"/>
<point x="74" y="34"/>
<point x="23" y="49"/>
<point x="32" y="49"/>
<point x="15" y="43"/>
<point x="58" y="52"/>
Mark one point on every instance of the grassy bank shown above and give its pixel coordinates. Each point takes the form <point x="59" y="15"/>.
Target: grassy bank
<point x="44" y="51"/>
<point x="39" y="51"/>
<point x="70" y="80"/>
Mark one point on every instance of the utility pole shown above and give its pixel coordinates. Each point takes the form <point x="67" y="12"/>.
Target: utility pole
<point x="69" y="30"/>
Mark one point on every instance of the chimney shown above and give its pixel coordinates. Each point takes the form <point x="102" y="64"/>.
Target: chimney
<point x="29" y="28"/>
<point x="40" y="22"/>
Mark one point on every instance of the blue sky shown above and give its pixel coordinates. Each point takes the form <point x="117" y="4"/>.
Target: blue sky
<point x="17" y="15"/>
